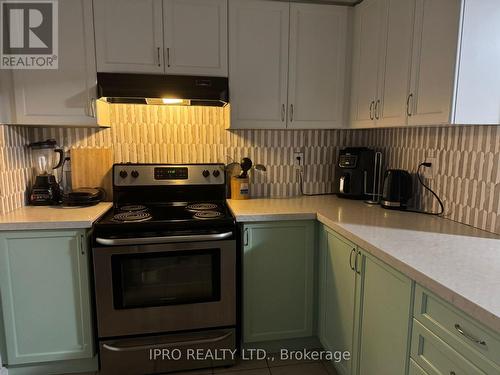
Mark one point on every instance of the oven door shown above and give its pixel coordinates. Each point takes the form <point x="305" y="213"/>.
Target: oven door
<point x="169" y="287"/>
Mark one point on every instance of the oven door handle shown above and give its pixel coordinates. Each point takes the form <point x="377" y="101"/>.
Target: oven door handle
<point x="165" y="239"/>
<point x="165" y="345"/>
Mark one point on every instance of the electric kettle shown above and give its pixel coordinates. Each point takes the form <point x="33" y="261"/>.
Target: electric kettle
<point x="397" y="189"/>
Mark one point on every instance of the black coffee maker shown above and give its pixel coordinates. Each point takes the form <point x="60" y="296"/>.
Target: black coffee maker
<point x="47" y="158"/>
<point x="354" y="173"/>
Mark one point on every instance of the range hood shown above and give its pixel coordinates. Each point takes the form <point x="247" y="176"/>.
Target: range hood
<point x="162" y="89"/>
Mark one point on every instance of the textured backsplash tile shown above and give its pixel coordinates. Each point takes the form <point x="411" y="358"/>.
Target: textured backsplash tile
<point x="468" y="176"/>
<point x="468" y="168"/>
<point x="160" y="134"/>
<point x="15" y="167"/>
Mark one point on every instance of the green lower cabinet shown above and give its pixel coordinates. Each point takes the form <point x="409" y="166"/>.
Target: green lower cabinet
<point x="446" y="338"/>
<point x="385" y="319"/>
<point x="338" y="282"/>
<point x="436" y="357"/>
<point x="45" y="298"/>
<point x="365" y="308"/>
<point x="278" y="271"/>
<point x="416" y="369"/>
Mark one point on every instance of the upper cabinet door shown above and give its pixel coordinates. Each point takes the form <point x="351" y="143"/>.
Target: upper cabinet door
<point x="394" y="75"/>
<point x="317" y="68"/>
<point x="367" y="37"/>
<point x="195" y="37"/>
<point x="258" y="63"/>
<point x="129" y="36"/>
<point x="62" y="96"/>
<point x="434" y="61"/>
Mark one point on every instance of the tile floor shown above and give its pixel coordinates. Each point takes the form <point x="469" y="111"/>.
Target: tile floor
<point x="267" y="367"/>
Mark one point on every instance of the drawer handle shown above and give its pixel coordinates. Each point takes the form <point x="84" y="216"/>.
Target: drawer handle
<point x="469" y="336"/>
<point x="115" y="348"/>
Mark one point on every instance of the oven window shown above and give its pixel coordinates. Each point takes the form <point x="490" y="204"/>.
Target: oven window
<point x="170" y="278"/>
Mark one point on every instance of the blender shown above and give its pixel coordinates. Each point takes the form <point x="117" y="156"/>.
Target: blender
<point x="46" y="158"/>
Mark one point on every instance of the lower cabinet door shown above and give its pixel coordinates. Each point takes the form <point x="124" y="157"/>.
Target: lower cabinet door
<point x="278" y="265"/>
<point x="337" y="297"/>
<point x="385" y="320"/>
<point x="44" y="288"/>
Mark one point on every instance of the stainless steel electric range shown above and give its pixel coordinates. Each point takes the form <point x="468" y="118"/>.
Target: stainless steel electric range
<point x="165" y="269"/>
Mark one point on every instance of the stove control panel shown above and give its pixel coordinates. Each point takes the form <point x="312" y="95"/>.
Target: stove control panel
<point x="166" y="174"/>
<point x="171" y="173"/>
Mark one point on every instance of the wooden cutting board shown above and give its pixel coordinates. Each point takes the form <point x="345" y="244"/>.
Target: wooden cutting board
<point x="92" y="167"/>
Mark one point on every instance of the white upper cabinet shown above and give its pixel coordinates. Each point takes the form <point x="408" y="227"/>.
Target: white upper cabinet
<point x="317" y="79"/>
<point x="382" y="61"/>
<point x="287" y="64"/>
<point x="395" y="67"/>
<point x="6" y="99"/>
<point x="366" y="61"/>
<point x="435" y="41"/>
<point x="186" y="37"/>
<point x="129" y="36"/>
<point x="258" y="63"/>
<point x="195" y="37"/>
<point x="435" y="63"/>
<point x="63" y="96"/>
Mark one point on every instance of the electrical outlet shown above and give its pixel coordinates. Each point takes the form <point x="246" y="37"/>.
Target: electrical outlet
<point x="298" y="160"/>
<point x="430" y="172"/>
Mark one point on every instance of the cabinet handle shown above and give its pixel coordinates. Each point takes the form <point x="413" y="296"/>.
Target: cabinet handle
<point x="245" y="241"/>
<point x="291" y="112"/>
<point x="158" y="58"/>
<point x="377" y="108"/>
<point x="371" y="110"/>
<point x="350" y="259"/>
<point x="356" y="263"/>
<point x="82" y="248"/>
<point x="168" y="57"/>
<point x="469" y="336"/>
<point x="283" y="109"/>
<point x="408" y="111"/>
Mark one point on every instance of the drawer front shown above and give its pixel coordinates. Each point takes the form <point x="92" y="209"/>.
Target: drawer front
<point x="436" y="357"/>
<point x="416" y="369"/>
<point x="463" y="333"/>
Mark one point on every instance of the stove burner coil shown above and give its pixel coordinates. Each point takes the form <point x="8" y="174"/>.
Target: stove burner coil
<point x="207" y="215"/>
<point x="132" y="216"/>
<point x="202" y="207"/>
<point x="133" y="207"/>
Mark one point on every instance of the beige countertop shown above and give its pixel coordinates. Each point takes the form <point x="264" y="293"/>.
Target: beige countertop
<point x="459" y="263"/>
<point x="52" y="217"/>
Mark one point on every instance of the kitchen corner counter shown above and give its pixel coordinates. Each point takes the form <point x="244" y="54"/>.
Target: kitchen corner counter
<point x="52" y="217"/>
<point x="458" y="263"/>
